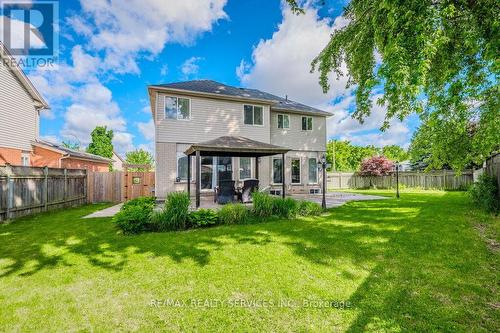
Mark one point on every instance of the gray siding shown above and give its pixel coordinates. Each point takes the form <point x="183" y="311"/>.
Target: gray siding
<point x="210" y="119"/>
<point x="18" y="116"/>
<point x="297" y="139"/>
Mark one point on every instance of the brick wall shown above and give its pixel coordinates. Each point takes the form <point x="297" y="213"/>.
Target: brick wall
<point x="10" y="155"/>
<point x="72" y="163"/>
<point x="44" y="157"/>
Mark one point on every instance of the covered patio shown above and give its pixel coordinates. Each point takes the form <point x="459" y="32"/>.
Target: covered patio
<point x="230" y="146"/>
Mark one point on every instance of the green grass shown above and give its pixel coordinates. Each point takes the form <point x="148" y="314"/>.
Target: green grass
<point x="427" y="262"/>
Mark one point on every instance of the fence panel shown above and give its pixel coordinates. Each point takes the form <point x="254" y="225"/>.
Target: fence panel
<point x="492" y="168"/>
<point x="29" y="190"/>
<point x="443" y="179"/>
<point x="105" y="186"/>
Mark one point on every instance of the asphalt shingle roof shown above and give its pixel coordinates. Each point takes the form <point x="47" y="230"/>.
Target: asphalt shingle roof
<point x="214" y="87"/>
<point x="75" y="153"/>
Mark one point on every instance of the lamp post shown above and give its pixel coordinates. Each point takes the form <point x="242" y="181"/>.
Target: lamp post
<point x="397" y="179"/>
<point x="323" y="165"/>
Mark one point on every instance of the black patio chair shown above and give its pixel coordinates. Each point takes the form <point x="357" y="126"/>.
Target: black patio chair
<point x="225" y="192"/>
<point x="249" y="186"/>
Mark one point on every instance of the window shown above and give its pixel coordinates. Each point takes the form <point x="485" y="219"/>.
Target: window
<point x="283" y="121"/>
<point x="295" y="171"/>
<point x="177" y="108"/>
<point x="313" y="171"/>
<point x="25" y="159"/>
<point x="182" y="167"/>
<point x="277" y="170"/>
<point x="245" y="167"/>
<point x="307" y="123"/>
<point x="253" y="115"/>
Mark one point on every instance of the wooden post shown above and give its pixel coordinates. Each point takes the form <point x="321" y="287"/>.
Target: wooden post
<point x="283" y="175"/>
<point x="189" y="177"/>
<point x="10" y="196"/>
<point x="65" y="184"/>
<point x="256" y="168"/>
<point x="46" y="188"/>
<point x="198" y="176"/>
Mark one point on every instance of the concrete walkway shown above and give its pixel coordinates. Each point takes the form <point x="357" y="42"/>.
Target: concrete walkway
<point x="333" y="199"/>
<point x="107" y="212"/>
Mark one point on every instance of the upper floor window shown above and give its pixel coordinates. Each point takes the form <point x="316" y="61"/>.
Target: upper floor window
<point x="253" y="115"/>
<point x="307" y="123"/>
<point x="177" y="108"/>
<point x="283" y="121"/>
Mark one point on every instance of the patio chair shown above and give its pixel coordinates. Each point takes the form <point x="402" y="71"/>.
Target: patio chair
<point x="249" y="186"/>
<point x="225" y="192"/>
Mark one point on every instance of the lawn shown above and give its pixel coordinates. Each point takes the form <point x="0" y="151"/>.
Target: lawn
<point x="426" y="262"/>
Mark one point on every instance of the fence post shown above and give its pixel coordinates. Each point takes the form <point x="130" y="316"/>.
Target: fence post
<point x="65" y="185"/>
<point x="86" y="186"/>
<point x="10" y="194"/>
<point x="46" y="188"/>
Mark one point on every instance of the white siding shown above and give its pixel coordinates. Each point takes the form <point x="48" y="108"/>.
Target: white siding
<point x="297" y="139"/>
<point x="210" y="119"/>
<point x="18" y="116"/>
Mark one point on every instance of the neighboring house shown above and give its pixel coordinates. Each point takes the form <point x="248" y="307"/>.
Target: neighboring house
<point x="191" y="112"/>
<point x="117" y="162"/>
<point x="57" y="156"/>
<point x="20" y="107"/>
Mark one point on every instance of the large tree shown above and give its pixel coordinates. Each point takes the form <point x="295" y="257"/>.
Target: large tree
<point x="395" y="153"/>
<point x="102" y="143"/>
<point x="438" y="58"/>
<point x="140" y="156"/>
<point x="344" y="156"/>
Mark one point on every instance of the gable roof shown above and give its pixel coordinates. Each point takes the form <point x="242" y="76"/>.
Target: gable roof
<point x="71" y="152"/>
<point x="8" y="60"/>
<point x="214" y="88"/>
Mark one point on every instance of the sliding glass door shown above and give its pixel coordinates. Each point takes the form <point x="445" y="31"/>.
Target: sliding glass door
<point x="209" y="178"/>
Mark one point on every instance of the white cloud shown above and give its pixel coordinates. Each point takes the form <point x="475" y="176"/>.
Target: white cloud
<point x="147" y="129"/>
<point x="164" y="70"/>
<point x="16" y="29"/>
<point x="124" y="29"/>
<point x="282" y="64"/>
<point x="190" y="67"/>
<point x="122" y="142"/>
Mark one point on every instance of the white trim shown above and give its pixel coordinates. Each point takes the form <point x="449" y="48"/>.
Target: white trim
<point x="272" y="170"/>
<point x="253" y="115"/>
<point x="251" y="168"/>
<point x="312" y="124"/>
<point x="291" y="171"/>
<point x="308" y="170"/>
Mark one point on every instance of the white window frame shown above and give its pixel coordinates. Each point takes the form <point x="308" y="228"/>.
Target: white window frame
<point x="291" y="171"/>
<point x="177" y="104"/>
<point x="278" y="121"/>
<point x="272" y="170"/>
<point x="312" y="123"/>
<point x="315" y="167"/>
<point x="25" y="159"/>
<point x="251" y="168"/>
<point x="179" y="156"/>
<point x="253" y="115"/>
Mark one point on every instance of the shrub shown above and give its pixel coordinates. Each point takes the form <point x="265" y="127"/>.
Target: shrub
<point x="262" y="204"/>
<point x="175" y="214"/>
<point x="134" y="216"/>
<point x="233" y="214"/>
<point x="284" y="207"/>
<point x="309" y="208"/>
<point x="202" y="218"/>
<point x="484" y="193"/>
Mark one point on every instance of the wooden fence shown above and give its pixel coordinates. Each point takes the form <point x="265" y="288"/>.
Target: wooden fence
<point x="105" y="187"/>
<point x="443" y="179"/>
<point x="29" y="190"/>
<point x="492" y="168"/>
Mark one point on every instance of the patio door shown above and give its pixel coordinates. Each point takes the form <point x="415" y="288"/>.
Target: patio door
<point x="209" y="164"/>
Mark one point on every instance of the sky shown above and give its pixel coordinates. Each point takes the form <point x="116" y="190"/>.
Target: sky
<point x="111" y="50"/>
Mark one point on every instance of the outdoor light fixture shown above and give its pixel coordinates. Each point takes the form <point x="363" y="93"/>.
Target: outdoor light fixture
<point x="323" y="166"/>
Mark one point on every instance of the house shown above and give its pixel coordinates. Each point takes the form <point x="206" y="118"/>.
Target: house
<point x="57" y="156"/>
<point x="203" y="113"/>
<point x="117" y="162"/>
<point x="20" y="108"/>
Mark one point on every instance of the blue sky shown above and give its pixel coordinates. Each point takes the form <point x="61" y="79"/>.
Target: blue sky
<point x="111" y="51"/>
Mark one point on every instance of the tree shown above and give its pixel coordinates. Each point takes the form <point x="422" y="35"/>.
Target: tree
<point x="348" y="157"/>
<point x="139" y="156"/>
<point x="102" y="143"/>
<point x="376" y="166"/>
<point x="71" y="145"/>
<point x="439" y="59"/>
<point x="395" y="153"/>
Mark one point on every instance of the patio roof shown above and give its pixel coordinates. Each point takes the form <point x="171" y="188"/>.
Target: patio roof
<point x="235" y="146"/>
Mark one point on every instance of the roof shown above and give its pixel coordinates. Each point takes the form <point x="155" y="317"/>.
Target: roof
<point x="214" y="88"/>
<point x="235" y="146"/>
<point x="21" y="77"/>
<point x="71" y="152"/>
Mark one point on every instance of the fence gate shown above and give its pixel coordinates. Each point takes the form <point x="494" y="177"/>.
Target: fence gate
<point x="138" y="183"/>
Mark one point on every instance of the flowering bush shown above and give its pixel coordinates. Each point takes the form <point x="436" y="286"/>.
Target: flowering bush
<point x="376" y="166"/>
